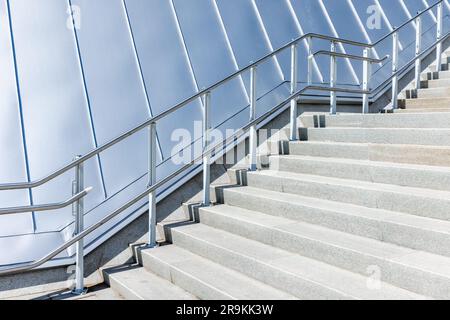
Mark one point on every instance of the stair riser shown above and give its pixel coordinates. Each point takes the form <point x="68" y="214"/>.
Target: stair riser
<point x="433" y="93"/>
<point x="407" y="236"/>
<point x="409" y="154"/>
<point x="378" y="121"/>
<point x="440" y="75"/>
<point x="348" y="151"/>
<point x="413" y="204"/>
<point x="297" y="286"/>
<point x="397" y="274"/>
<point x="183" y="280"/>
<point x="438" y="180"/>
<point x="444" y="67"/>
<point x="441" y="83"/>
<point x="389" y="136"/>
<point x="423" y="111"/>
<point x="427" y="103"/>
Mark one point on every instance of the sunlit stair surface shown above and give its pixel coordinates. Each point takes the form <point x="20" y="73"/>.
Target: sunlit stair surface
<point x="63" y="94"/>
<point x="358" y="209"/>
<point x="434" y="92"/>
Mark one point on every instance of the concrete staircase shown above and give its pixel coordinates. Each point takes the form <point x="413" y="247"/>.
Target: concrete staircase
<point x="434" y="95"/>
<point x="358" y="209"/>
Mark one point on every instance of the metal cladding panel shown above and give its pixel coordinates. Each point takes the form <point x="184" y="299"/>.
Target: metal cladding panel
<point x="211" y="56"/>
<point x="281" y="29"/>
<point x="165" y="66"/>
<point x="12" y="160"/>
<point x="364" y="10"/>
<point x="56" y="118"/>
<point x="304" y="10"/>
<point x="249" y="43"/>
<point x="429" y="21"/>
<point x="407" y="37"/>
<point x="117" y="99"/>
<point x="343" y="24"/>
<point x="394" y="13"/>
<point x="28" y="247"/>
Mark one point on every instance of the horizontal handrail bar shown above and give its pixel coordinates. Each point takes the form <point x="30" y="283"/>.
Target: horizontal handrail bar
<point x="150" y="189"/>
<point x="348" y="56"/>
<point x="335" y="89"/>
<point x="46" y="207"/>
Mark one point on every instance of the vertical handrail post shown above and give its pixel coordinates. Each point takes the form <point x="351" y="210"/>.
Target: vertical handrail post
<point x="439" y="36"/>
<point x="418" y="67"/>
<point x="206" y="154"/>
<point x="78" y="212"/>
<point x="294" y="106"/>
<point x="333" y="76"/>
<point x="310" y="61"/>
<point x="152" y="181"/>
<point x="395" y="45"/>
<point x="253" y="133"/>
<point x="366" y="80"/>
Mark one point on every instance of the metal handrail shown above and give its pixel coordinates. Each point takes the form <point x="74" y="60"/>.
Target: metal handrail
<point x="200" y="94"/>
<point x="396" y="29"/>
<point x="153" y="188"/>
<point x="46" y="207"/>
<point x="375" y="91"/>
<point x="206" y="155"/>
<point x="98" y="150"/>
<point x="348" y="56"/>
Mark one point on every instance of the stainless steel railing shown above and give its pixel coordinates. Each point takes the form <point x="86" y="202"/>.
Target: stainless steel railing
<point x="205" y="158"/>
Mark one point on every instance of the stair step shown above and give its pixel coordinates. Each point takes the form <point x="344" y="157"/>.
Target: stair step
<point x="438" y="83"/>
<point x="439" y="75"/>
<point x="394" y="227"/>
<point x="432" y="103"/>
<point x="444" y="67"/>
<point x="136" y="283"/>
<point x="427" y="274"/>
<point x="409" y="175"/>
<point x="413" y="154"/>
<point x="423" y="111"/>
<point x="421" y="202"/>
<point x="436" y="93"/>
<point x="416" y="136"/>
<point x="388" y="120"/>
<point x="301" y="276"/>
<point x="204" y="278"/>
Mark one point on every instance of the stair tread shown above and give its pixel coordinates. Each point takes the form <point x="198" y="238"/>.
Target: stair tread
<point x="381" y="215"/>
<point x="428" y="98"/>
<point x="372" y="163"/>
<point x="422" y="110"/>
<point x="350" y="284"/>
<point x="367" y="144"/>
<point x="435" y="89"/>
<point x="231" y="283"/>
<point x="382" y="128"/>
<point x="430" y="193"/>
<point x="419" y="259"/>
<point x="144" y="285"/>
